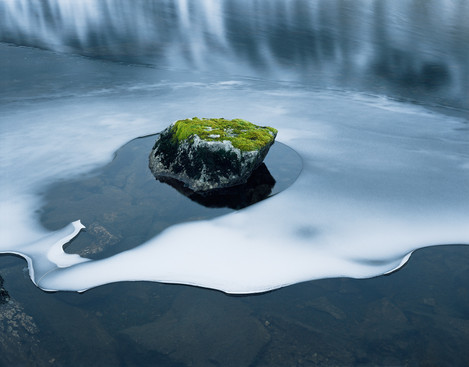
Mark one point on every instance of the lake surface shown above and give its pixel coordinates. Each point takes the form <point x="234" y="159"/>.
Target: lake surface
<point x="371" y="100"/>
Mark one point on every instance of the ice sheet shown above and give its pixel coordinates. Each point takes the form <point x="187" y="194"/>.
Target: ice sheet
<point x="381" y="178"/>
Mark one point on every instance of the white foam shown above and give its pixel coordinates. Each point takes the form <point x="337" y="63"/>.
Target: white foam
<point x="377" y="184"/>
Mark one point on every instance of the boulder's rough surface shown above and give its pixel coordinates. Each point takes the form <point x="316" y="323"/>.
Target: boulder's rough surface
<point x="4" y="297"/>
<point x="210" y="154"/>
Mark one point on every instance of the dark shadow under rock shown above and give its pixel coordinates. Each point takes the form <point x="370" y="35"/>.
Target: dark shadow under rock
<point x="258" y="187"/>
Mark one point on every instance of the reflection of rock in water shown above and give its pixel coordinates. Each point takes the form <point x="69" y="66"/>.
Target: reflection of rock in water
<point x="257" y="188"/>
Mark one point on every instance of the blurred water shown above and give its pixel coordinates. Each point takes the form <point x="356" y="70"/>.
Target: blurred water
<point x="413" y="49"/>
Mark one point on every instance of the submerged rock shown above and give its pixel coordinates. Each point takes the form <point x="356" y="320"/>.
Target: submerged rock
<point x="210" y="154"/>
<point x="20" y="343"/>
<point x="204" y="329"/>
<point x="4" y="296"/>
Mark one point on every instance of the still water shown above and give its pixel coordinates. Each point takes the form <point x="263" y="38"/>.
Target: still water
<point x="371" y="102"/>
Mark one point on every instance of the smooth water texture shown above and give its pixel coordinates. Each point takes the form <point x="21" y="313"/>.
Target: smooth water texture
<point x="413" y="49"/>
<point x="381" y="177"/>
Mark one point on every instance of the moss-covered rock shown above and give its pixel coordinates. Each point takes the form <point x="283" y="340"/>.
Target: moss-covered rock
<point x="209" y="154"/>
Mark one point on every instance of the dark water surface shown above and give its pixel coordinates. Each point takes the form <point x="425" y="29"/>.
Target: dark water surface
<point x="412" y="50"/>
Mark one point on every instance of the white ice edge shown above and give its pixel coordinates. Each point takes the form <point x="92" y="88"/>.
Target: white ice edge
<point x="404" y="261"/>
<point x="56" y="253"/>
<point x="249" y="262"/>
<point x="49" y="253"/>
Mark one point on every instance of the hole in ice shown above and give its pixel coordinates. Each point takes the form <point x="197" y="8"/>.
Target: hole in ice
<point x="122" y="205"/>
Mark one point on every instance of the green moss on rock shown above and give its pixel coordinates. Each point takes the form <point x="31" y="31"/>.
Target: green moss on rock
<point x="243" y="134"/>
<point x="210" y="154"/>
